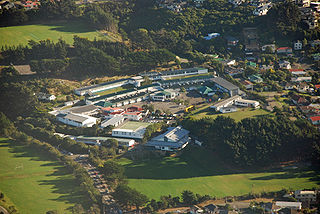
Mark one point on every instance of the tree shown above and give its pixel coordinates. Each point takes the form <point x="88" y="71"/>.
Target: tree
<point x="127" y="196"/>
<point x="188" y="197"/>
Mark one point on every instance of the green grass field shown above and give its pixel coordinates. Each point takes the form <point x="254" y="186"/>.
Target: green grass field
<point x="202" y="172"/>
<point x="133" y="125"/>
<point x="34" y="183"/>
<point x="66" y="30"/>
<point x="237" y="116"/>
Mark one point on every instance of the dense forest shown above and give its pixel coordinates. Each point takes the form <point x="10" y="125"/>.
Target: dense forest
<point x="258" y="141"/>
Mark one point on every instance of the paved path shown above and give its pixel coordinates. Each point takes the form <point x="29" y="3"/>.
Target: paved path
<point x="3" y="210"/>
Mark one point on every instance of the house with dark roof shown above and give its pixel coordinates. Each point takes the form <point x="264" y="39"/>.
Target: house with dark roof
<point x="299" y="100"/>
<point x="176" y="138"/>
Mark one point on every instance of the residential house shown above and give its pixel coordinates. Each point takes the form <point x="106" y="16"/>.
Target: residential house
<point x="77" y="120"/>
<point x="255" y="78"/>
<point x="130" y="129"/>
<point x="309" y="196"/>
<point x="297" y="45"/>
<point x="317" y="87"/>
<point x="46" y="97"/>
<point x="211" y="209"/>
<point x="176" y="138"/>
<point x="232" y="71"/>
<point x="297" y="71"/>
<point x="247" y="84"/>
<point x="315" y="120"/>
<point x="205" y="91"/>
<point x="301" y="79"/>
<point x="302" y="87"/>
<point x="299" y="100"/>
<point x="236" y="2"/>
<point x="271" y="47"/>
<point x="284" y="64"/>
<point x="252" y="64"/>
<point x="226" y="86"/>
<point x="262" y="10"/>
<point x="284" y="50"/>
<point x="211" y="36"/>
<point x="289" y="86"/>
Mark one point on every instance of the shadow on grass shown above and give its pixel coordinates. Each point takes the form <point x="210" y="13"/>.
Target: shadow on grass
<point x="71" y="27"/>
<point x="200" y="163"/>
<point x="62" y="183"/>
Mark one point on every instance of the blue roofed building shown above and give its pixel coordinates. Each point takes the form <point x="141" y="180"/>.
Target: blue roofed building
<point x="176" y="138"/>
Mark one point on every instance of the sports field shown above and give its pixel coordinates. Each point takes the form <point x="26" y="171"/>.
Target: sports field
<point x="202" y="172"/>
<point x="134" y="125"/>
<point x="237" y="116"/>
<point x="66" y="30"/>
<point x="34" y="183"/>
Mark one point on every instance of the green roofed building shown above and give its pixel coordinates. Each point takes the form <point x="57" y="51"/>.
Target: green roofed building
<point x="252" y="64"/>
<point x="205" y="90"/>
<point x="255" y="78"/>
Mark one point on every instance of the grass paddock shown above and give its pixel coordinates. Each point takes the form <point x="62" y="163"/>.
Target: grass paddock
<point x="34" y="183"/>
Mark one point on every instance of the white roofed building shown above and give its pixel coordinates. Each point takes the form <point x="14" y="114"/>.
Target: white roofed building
<point x="77" y="120"/>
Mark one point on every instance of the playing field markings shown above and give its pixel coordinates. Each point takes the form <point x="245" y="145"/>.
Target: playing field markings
<point x="34" y="36"/>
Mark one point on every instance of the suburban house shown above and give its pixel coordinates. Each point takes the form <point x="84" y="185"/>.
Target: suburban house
<point x="301" y="79"/>
<point x="297" y="45"/>
<point x="130" y="129"/>
<point x="299" y="100"/>
<point x="176" y="138"/>
<point x="99" y="140"/>
<point x="226" y="86"/>
<point x="236" y="2"/>
<point x="289" y="86"/>
<point x="309" y="196"/>
<point x="77" y="120"/>
<point x="233" y="71"/>
<point x="114" y="121"/>
<point x="46" y="97"/>
<point x="262" y="10"/>
<point x="211" y="209"/>
<point x="302" y="87"/>
<point x="284" y="64"/>
<point x="205" y="91"/>
<point x="315" y="120"/>
<point x="284" y="50"/>
<point x="164" y="95"/>
<point x="255" y="78"/>
<point x="271" y="47"/>
<point x="252" y="64"/>
<point x="297" y="71"/>
<point x="247" y="84"/>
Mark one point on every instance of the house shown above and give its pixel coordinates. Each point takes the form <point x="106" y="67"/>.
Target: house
<point x="231" y="41"/>
<point x="77" y="120"/>
<point x="225" y="103"/>
<point x="211" y="209"/>
<point x="130" y="129"/>
<point x="278" y="205"/>
<point x="317" y="87"/>
<point x="211" y="36"/>
<point x="232" y="71"/>
<point x="309" y="196"/>
<point x="114" y="121"/>
<point x="289" y="86"/>
<point x="226" y="86"/>
<point x="246" y="103"/>
<point x="255" y="78"/>
<point x="6" y="5"/>
<point x="271" y="47"/>
<point x="301" y="79"/>
<point x="247" y="84"/>
<point x="46" y="97"/>
<point x="303" y="87"/>
<point x="236" y="2"/>
<point x="176" y="138"/>
<point x="297" y="45"/>
<point x="228" y="109"/>
<point x="297" y="71"/>
<point x="262" y="10"/>
<point x="205" y="91"/>
<point x="164" y="95"/>
<point x="299" y="100"/>
<point x="99" y="140"/>
<point x="315" y="120"/>
<point x="133" y="115"/>
<point x="284" y="50"/>
<point x="284" y="64"/>
<point x="303" y="3"/>
<point x="252" y="64"/>
<point x="230" y="62"/>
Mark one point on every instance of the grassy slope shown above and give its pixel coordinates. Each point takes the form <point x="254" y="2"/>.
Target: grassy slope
<point x="66" y="30"/>
<point x="237" y="116"/>
<point x="39" y="186"/>
<point x="203" y="173"/>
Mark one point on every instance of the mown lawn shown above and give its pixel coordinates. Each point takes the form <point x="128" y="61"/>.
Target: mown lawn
<point x="16" y="35"/>
<point x="237" y="116"/>
<point x="202" y="172"/>
<point x="34" y="183"/>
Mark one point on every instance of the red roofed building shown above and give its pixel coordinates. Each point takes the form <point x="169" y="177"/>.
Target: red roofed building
<point x="317" y="87"/>
<point x="112" y="111"/>
<point x="133" y="115"/>
<point x="284" y="50"/>
<point x="297" y="71"/>
<point x="134" y="109"/>
<point x="315" y="120"/>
